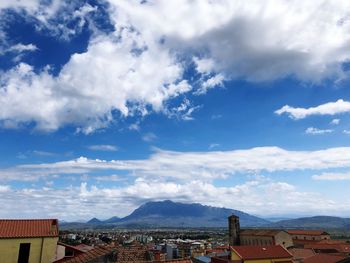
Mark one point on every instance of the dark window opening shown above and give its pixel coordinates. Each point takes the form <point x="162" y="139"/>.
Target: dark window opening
<point x="69" y="253"/>
<point x="24" y="251"/>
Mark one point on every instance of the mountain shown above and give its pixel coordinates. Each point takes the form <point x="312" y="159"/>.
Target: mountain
<point x="94" y="221"/>
<point x="113" y="219"/>
<point x="171" y="214"/>
<point x="323" y="222"/>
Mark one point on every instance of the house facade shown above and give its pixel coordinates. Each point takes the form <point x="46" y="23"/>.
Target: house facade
<point x="28" y="241"/>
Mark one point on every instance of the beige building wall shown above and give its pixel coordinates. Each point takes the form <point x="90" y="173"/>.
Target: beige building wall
<point x="281" y="238"/>
<point x="311" y="237"/>
<point x="42" y="250"/>
<point x="284" y="239"/>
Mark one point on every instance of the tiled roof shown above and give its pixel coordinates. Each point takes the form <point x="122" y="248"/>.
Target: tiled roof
<point x="301" y="253"/>
<point x="260" y="232"/>
<point x="135" y="253"/>
<point x="307" y="232"/>
<point x="261" y="252"/>
<point x="89" y="256"/>
<point x="331" y="241"/>
<point x="22" y="228"/>
<point x="83" y="247"/>
<point x="323" y="258"/>
<point x="341" y="248"/>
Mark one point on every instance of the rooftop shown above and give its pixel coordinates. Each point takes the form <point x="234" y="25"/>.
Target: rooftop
<point x="307" y="232"/>
<point x="261" y="252"/>
<point x="324" y="258"/>
<point x="25" y="228"/>
<point x="260" y="232"/>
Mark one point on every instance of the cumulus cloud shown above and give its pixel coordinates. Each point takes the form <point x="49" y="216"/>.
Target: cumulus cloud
<point x="103" y="147"/>
<point x="192" y="165"/>
<point x="92" y="86"/>
<point x="262" y="196"/>
<point x="312" y="130"/>
<point x="255" y="40"/>
<point x="330" y="108"/>
<point x="139" y="65"/>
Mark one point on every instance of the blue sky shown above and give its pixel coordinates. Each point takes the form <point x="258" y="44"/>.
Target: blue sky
<point x="108" y="104"/>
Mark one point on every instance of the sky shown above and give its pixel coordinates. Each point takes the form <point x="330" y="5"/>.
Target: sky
<point x="108" y="104"/>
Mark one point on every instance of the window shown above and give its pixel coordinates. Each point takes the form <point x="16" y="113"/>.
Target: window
<point x="24" y="251"/>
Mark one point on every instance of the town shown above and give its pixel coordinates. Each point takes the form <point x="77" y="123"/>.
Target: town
<point x="40" y="240"/>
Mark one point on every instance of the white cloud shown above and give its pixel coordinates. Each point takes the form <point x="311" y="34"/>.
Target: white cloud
<point x="4" y="188"/>
<point x="109" y="178"/>
<point x="138" y="68"/>
<point x="330" y="108"/>
<point x="347" y="132"/>
<point x="312" y="130"/>
<point x="22" y="48"/>
<point x="257" y="40"/>
<point x="335" y="122"/>
<point x="91" y="86"/>
<point x="264" y="197"/>
<point x="214" y="145"/>
<point x="149" y="137"/>
<point x="103" y="147"/>
<point x="209" y="83"/>
<point x="26" y="4"/>
<point x="332" y="176"/>
<point x="183" y="111"/>
<point x="192" y="165"/>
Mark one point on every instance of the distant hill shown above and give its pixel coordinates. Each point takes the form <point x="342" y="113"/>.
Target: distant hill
<point x="113" y="219"/>
<point x="316" y="222"/>
<point x="172" y="214"/>
<point x="94" y="221"/>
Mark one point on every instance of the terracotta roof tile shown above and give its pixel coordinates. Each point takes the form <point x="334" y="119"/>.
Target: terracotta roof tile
<point x="323" y="258"/>
<point x="260" y="232"/>
<point x="261" y="252"/>
<point x="301" y="253"/>
<point x="18" y="228"/>
<point x="89" y="256"/>
<point x="307" y="232"/>
<point x="341" y="248"/>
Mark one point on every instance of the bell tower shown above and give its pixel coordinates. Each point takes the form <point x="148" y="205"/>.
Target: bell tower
<point x="234" y="230"/>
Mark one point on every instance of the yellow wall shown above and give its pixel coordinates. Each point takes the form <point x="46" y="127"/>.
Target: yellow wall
<point x="235" y="257"/>
<point x="9" y="249"/>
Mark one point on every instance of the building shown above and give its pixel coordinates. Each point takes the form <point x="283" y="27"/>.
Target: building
<point x="256" y="254"/>
<point x="234" y="230"/>
<point x="264" y="237"/>
<point x="66" y="251"/>
<point x="302" y="237"/>
<point x="23" y="241"/>
<point x="172" y="251"/>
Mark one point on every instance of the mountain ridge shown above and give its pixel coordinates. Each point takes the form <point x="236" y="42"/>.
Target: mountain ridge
<point x="167" y="213"/>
